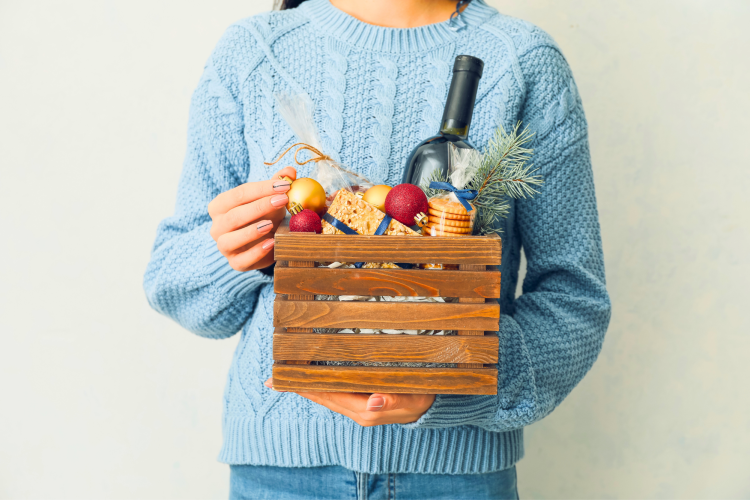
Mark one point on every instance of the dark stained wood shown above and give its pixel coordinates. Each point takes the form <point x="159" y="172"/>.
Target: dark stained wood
<point x="386" y="348"/>
<point x="343" y="248"/>
<point x="388" y="282"/>
<point x="395" y="315"/>
<point x="316" y="378"/>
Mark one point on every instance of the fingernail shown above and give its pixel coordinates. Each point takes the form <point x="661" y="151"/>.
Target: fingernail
<point x="375" y="403"/>
<point x="269" y="383"/>
<point x="264" y="226"/>
<point x="281" y="186"/>
<point x="267" y="244"/>
<point x="279" y="200"/>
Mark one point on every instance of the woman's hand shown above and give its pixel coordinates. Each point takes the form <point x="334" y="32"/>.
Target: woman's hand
<point x="373" y="409"/>
<point x="245" y="219"/>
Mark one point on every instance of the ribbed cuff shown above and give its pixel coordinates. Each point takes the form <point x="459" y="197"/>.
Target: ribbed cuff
<point x="220" y="274"/>
<point x="454" y="411"/>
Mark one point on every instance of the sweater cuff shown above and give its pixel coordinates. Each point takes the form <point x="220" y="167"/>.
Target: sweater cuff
<point x="451" y="410"/>
<point x="220" y="274"/>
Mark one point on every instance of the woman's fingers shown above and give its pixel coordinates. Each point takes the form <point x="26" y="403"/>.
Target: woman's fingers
<point x="234" y="241"/>
<point x="249" y="193"/>
<point x="331" y="401"/>
<point x="241" y="216"/>
<point x="252" y="258"/>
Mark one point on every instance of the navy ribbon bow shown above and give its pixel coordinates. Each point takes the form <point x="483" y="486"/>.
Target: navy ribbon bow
<point x="463" y="195"/>
<point x="347" y="230"/>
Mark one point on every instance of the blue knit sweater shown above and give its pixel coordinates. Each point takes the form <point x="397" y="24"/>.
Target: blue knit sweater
<point x="378" y="92"/>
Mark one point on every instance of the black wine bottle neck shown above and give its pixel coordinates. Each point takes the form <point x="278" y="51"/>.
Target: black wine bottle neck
<point x="459" y="107"/>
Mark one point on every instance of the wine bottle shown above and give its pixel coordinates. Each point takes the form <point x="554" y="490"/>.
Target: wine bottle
<point x="431" y="155"/>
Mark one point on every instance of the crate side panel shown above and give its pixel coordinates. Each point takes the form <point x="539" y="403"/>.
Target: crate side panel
<point x="391" y="315"/>
<point x="386" y="348"/>
<point x="479" y="381"/>
<point x="388" y="282"/>
<point x="410" y="249"/>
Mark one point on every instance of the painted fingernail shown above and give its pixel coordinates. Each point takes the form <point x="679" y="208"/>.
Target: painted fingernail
<point x="267" y="244"/>
<point x="279" y="200"/>
<point x="264" y="226"/>
<point x="269" y="383"/>
<point x="281" y="186"/>
<point x="375" y="404"/>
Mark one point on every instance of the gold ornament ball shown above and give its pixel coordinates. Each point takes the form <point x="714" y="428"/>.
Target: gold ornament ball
<point x="308" y="193"/>
<point x="376" y="196"/>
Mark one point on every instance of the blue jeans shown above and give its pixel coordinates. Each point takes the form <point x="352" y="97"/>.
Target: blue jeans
<point x="333" y="483"/>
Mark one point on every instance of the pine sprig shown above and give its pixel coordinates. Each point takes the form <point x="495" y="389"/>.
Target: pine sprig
<point x="435" y="176"/>
<point x="503" y="173"/>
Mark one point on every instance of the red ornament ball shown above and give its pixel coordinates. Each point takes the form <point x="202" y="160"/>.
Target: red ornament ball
<point x="305" y="221"/>
<point x="404" y="202"/>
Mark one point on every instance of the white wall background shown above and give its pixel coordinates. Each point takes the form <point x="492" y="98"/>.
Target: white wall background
<point x="100" y="397"/>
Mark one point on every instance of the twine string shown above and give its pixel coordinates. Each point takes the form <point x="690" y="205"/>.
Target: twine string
<point x="302" y="147"/>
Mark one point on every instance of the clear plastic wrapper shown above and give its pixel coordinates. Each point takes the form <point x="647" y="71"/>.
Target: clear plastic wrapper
<point x="297" y="111"/>
<point x="448" y="213"/>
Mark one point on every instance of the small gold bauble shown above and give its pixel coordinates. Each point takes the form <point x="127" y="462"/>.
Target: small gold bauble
<point x="308" y="193"/>
<point x="376" y="196"/>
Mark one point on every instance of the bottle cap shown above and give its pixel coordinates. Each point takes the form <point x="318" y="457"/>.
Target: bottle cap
<point x="469" y="63"/>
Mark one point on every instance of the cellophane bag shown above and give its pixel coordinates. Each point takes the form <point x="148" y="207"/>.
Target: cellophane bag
<point x="297" y="110"/>
<point x="447" y="215"/>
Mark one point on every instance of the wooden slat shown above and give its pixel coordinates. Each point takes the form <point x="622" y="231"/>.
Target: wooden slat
<point x="470" y="333"/>
<point x="299" y="296"/>
<point x="386" y="348"/>
<point x="395" y="315"/>
<point x="388" y="282"/>
<point x="386" y="380"/>
<point x="410" y="249"/>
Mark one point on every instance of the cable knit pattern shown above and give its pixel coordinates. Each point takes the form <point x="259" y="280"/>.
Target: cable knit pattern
<point x="435" y="92"/>
<point x="333" y="103"/>
<point x="385" y="91"/>
<point x="378" y="92"/>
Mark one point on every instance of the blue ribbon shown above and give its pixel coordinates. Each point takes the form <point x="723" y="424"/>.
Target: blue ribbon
<point x="339" y="225"/>
<point x="383" y="225"/>
<point x="347" y="230"/>
<point x="463" y="195"/>
<point x="378" y="232"/>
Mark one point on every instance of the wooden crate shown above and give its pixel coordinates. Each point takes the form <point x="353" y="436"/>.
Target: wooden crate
<point x="475" y="316"/>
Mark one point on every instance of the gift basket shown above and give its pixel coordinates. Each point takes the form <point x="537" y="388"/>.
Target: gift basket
<point x="392" y="289"/>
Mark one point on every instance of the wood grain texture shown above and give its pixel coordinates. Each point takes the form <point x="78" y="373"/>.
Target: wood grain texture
<point x="388" y="282"/>
<point x="385" y="348"/>
<point x="387" y="380"/>
<point x="343" y="248"/>
<point x="299" y="296"/>
<point x="470" y="267"/>
<point x="395" y="315"/>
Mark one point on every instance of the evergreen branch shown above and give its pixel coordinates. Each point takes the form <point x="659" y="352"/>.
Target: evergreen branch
<point x="503" y="173"/>
<point x="435" y="176"/>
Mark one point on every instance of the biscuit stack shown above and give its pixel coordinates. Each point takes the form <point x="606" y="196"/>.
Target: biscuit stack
<point x="448" y="218"/>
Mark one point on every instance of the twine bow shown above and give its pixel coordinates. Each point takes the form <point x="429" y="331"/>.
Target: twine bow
<point x="463" y="195"/>
<point x="302" y="147"/>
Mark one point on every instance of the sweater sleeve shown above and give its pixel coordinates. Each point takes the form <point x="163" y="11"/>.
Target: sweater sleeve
<point x="553" y="333"/>
<point x="187" y="278"/>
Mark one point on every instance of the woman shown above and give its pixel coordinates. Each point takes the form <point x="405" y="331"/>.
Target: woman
<point x="378" y="73"/>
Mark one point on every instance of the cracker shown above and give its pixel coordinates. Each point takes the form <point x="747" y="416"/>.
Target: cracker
<point x="431" y="231"/>
<point x="439" y="221"/>
<point x="446" y="215"/>
<point x="446" y="229"/>
<point x="446" y="205"/>
<point x="361" y="216"/>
